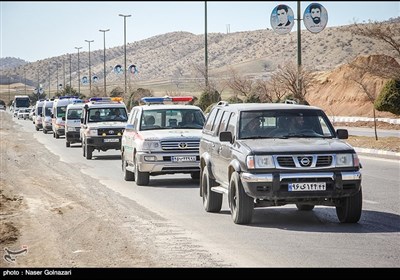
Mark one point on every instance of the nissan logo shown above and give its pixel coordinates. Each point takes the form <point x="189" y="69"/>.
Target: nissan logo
<point x="111" y="132"/>
<point x="305" y="161"/>
<point x="182" y="145"/>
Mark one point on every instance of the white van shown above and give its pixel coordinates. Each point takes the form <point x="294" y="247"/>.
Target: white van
<point x="58" y="116"/>
<point x="73" y="122"/>
<point x="46" y="115"/>
<point x="38" y="114"/>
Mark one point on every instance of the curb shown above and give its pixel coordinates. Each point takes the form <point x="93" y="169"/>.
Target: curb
<point x="376" y="152"/>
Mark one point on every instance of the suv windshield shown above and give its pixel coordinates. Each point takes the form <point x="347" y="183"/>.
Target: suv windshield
<point x="172" y="118"/>
<point x="107" y="115"/>
<point x="284" y="124"/>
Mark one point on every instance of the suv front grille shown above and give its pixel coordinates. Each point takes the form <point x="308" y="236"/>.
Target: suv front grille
<point x="304" y="161"/>
<point x="191" y="145"/>
<point x="110" y="131"/>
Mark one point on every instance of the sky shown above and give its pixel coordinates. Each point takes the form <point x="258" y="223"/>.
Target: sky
<point x="38" y="30"/>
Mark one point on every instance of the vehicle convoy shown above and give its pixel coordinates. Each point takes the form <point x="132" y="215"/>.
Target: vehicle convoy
<point x="58" y="114"/>
<point x="73" y="122"/>
<point x="102" y="124"/>
<point x="162" y="138"/>
<point x="264" y="155"/>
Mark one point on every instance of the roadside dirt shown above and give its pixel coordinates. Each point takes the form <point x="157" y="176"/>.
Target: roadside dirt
<point x="68" y="219"/>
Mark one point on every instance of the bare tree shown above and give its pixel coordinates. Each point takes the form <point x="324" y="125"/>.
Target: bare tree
<point x="239" y="84"/>
<point x="263" y="89"/>
<point x="215" y="84"/>
<point x="285" y="77"/>
<point x="362" y="70"/>
<point x="383" y="31"/>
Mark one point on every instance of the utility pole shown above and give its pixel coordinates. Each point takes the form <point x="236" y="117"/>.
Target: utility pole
<point x="299" y="82"/>
<point x="64" y="73"/>
<point x="125" y="16"/>
<point x="57" y="77"/>
<point x="90" y="72"/>
<point x="79" y="72"/>
<point x="48" y="66"/>
<point x="205" y="48"/>
<point x="104" y="57"/>
<point x="70" y="74"/>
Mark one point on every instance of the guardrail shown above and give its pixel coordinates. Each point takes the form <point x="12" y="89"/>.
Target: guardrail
<point x="361" y="119"/>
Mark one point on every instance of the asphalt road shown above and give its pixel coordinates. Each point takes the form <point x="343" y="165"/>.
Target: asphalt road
<point x="278" y="236"/>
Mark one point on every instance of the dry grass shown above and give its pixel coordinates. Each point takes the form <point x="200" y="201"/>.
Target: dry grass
<point x="383" y="143"/>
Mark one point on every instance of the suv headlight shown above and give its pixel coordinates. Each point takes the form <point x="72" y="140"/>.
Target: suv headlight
<point x="260" y="162"/>
<point x="344" y="160"/>
<point x="151" y="145"/>
<point x="92" y="132"/>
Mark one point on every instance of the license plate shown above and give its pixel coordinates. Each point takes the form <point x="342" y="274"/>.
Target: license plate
<point x="111" y="140"/>
<point x="303" y="187"/>
<point x="183" y="158"/>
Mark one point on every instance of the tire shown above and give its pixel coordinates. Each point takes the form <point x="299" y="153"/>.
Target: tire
<point x="37" y="128"/>
<point x="56" y="135"/>
<point x="67" y="144"/>
<point x="128" y="175"/>
<point x="44" y="131"/>
<point x="212" y="201"/>
<point x="304" y="207"/>
<point x="241" y="205"/>
<point x="142" y="178"/>
<point x="349" y="211"/>
<point x="88" y="151"/>
<point x="195" y="175"/>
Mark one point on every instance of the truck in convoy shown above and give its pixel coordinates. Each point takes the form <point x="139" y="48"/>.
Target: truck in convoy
<point x="20" y="101"/>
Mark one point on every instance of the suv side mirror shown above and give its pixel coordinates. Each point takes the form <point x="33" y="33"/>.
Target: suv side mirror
<point x="63" y="118"/>
<point x="52" y="116"/>
<point x="129" y="127"/>
<point x="342" y="133"/>
<point x="225" y="136"/>
<point x="82" y="120"/>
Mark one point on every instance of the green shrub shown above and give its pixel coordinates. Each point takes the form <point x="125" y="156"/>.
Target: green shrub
<point x="389" y="98"/>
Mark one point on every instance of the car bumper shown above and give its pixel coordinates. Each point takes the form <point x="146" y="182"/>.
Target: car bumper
<point x="105" y="143"/>
<point x="72" y="137"/>
<point x="275" y="186"/>
<point x="163" y="163"/>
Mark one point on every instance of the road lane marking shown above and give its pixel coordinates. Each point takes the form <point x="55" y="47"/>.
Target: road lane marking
<point x="370" y="201"/>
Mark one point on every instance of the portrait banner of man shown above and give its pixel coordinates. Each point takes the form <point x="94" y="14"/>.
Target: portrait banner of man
<point x="85" y="80"/>
<point x="132" y="69"/>
<point x="315" y="17"/>
<point x="118" y="69"/>
<point x="282" y="19"/>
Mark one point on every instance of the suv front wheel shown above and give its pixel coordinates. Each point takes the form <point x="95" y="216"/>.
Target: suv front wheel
<point x="350" y="208"/>
<point x="212" y="201"/>
<point x="142" y="178"/>
<point x="242" y="205"/>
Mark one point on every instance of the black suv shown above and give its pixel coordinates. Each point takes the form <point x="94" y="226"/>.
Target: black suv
<point x="264" y="155"/>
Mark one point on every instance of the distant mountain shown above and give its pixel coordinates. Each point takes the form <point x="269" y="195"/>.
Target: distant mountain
<point x="11" y="62"/>
<point x="166" y="58"/>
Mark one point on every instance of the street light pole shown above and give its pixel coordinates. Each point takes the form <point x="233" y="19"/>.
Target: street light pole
<point x="70" y="73"/>
<point x="90" y="71"/>
<point x="104" y="56"/>
<point x="57" y="77"/>
<point x="79" y="72"/>
<point x="49" y="80"/>
<point x="205" y="46"/>
<point x="125" y="16"/>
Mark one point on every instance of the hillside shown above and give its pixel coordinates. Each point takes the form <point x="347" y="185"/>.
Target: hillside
<point x="166" y="62"/>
